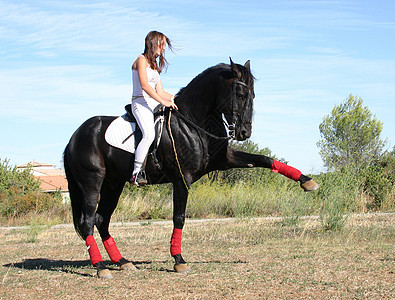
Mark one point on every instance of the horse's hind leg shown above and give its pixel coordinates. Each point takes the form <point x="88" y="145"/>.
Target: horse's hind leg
<point x="87" y="228"/>
<point x="109" y="196"/>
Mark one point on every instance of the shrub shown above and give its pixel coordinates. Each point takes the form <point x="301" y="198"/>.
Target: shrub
<point x="11" y="177"/>
<point x="20" y="193"/>
<point x="337" y="194"/>
<point x="16" y="202"/>
<point x="149" y="202"/>
<point x="376" y="185"/>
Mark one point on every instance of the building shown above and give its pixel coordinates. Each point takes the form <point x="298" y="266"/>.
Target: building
<point x="51" y="179"/>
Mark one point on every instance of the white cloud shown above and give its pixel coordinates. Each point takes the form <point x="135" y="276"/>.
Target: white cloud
<point x="48" y="94"/>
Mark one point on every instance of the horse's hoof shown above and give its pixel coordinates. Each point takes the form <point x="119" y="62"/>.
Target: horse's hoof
<point x="104" y="273"/>
<point x="181" y="268"/>
<point x="310" y="186"/>
<point x="128" y="267"/>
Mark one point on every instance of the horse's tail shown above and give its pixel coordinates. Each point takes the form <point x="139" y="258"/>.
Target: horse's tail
<point x="75" y="191"/>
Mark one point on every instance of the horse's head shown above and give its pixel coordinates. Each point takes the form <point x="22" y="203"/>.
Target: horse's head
<point x="238" y="111"/>
<point x="222" y="90"/>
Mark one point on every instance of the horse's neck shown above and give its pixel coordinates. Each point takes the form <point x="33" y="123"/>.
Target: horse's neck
<point x="200" y="103"/>
<point x="197" y="111"/>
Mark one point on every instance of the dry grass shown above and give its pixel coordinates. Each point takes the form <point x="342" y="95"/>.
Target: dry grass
<point x="248" y="259"/>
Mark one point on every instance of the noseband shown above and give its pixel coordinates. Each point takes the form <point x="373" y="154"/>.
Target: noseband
<point x="232" y="126"/>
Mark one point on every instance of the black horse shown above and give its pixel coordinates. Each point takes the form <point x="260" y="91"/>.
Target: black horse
<point x="194" y="142"/>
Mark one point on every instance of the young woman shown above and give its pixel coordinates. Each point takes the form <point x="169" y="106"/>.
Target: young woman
<point x="148" y="93"/>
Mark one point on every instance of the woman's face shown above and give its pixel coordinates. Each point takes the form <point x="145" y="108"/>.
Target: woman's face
<point x="160" y="49"/>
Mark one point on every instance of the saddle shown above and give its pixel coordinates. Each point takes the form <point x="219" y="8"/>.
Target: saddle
<point x="158" y="112"/>
<point x="124" y="132"/>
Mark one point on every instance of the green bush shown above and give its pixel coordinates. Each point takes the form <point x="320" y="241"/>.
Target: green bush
<point x="267" y="196"/>
<point x="11" y="177"/>
<point x="379" y="180"/>
<point x="377" y="186"/>
<point x="149" y="202"/>
<point x="20" y="193"/>
<point x="337" y="194"/>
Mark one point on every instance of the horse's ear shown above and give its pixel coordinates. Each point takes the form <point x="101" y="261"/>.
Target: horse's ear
<point x="247" y="65"/>
<point x="231" y="63"/>
<point x="233" y="67"/>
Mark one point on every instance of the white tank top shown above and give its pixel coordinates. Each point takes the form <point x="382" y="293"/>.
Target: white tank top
<point x="138" y="92"/>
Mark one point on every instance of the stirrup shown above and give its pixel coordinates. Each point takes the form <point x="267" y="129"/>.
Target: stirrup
<point x="139" y="179"/>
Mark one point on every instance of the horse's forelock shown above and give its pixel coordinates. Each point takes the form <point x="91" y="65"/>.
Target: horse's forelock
<point x="248" y="78"/>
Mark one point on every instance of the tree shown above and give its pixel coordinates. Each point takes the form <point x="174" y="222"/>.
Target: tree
<point x="350" y="136"/>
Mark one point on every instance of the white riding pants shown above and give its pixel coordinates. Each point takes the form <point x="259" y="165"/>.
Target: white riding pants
<point x="144" y="114"/>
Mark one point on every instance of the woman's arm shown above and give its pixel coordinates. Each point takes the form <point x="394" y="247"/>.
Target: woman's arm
<point x="141" y="66"/>
<point x="162" y="92"/>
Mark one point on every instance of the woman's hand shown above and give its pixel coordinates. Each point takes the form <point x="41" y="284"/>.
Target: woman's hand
<point x="169" y="103"/>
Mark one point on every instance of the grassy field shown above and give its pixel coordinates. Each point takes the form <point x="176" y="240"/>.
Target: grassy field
<point x="232" y="258"/>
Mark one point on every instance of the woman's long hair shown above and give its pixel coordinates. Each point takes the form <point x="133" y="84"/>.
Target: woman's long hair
<point x="151" y="43"/>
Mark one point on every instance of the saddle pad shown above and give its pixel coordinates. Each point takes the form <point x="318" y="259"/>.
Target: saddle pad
<point x="118" y="134"/>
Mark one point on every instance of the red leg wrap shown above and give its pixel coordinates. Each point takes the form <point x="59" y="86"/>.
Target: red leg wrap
<point x="93" y="250"/>
<point x="112" y="249"/>
<point x="175" y="242"/>
<point x="287" y="171"/>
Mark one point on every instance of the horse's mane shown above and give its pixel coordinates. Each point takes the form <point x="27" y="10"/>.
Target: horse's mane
<point x="203" y="76"/>
<point x="246" y="74"/>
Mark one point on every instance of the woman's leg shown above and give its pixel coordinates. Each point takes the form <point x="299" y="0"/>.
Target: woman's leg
<point x="145" y="119"/>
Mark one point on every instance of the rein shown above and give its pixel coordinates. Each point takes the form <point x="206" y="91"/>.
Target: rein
<point x="178" y="114"/>
<point x="175" y="151"/>
<point x="232" y="127"/>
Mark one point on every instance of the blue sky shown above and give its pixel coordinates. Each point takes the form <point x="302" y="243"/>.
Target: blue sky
<point x="62" y="62"/>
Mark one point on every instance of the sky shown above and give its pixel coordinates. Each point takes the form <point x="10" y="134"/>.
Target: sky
<point x="62" y="62"/>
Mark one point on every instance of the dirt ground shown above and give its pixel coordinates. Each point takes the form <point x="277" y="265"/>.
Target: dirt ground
<point x="242" y="259"/>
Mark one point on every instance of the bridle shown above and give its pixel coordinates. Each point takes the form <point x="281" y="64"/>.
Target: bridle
<point x="232" y="126"/>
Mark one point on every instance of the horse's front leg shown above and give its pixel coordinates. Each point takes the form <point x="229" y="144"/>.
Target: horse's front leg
<point x="239" y="159"/>
<point x="180" y="195"/>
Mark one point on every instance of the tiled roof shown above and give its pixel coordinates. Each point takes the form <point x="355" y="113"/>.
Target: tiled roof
<point x="48" y="172"/>
<point x="53" y="183"/>
<point x="51" y="179"/>
<point x="35" y="164"/>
